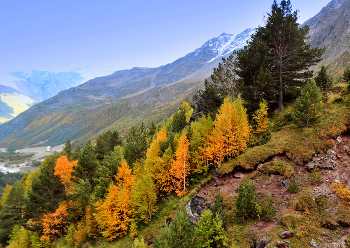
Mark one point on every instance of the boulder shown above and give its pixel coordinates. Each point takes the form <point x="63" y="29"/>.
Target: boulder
<point x="310" y="166"/>
<point x="195" y="208"/>
<point x="263" y="242"/>
<point x="284" y="183"/>
<point x="282" y="244"/>
<point x="238" y="174"/>
<point x="286" y="234"/>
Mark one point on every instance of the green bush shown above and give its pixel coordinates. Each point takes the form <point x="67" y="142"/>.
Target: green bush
<point x="293" y="187"/>
<point x="305" y="202"/>
<point x="315" y="177"/>
<point x="247" y="203"/>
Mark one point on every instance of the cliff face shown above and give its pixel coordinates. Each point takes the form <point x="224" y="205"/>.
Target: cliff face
<point x="330" y="29"/>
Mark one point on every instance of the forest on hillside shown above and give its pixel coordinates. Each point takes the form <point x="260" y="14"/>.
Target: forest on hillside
<point x="261" y="101"/>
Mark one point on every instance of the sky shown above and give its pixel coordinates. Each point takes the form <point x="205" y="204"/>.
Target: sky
<point x="108" y="35"/>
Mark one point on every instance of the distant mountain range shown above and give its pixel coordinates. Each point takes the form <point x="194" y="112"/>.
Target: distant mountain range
<point x="330" y="29"/>
<point x="119" y="100"/>
<point x="20" y="90"/>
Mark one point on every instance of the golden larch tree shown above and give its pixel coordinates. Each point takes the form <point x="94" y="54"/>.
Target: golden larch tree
<point x="113" y="215"/>
<point x="63" y="170"/>
<point x="181" y="166"/>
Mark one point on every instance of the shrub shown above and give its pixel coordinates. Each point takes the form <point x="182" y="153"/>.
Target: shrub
<point x="293" y="187"/>
<point x="277" y="167"/>
<point x="305" y="202"/>
<point x="315" y="177"/>
<point x="247" y="204"/>
<point x="268" y="211"/>
<point x="323" y="201"/>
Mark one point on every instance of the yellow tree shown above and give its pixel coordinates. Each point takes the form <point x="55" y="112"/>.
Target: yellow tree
<point x="144" y="198"/>
<point x="181" y="166"/>
<point x="113" y="215"/>
<point x="63" y="170"/>
<point x="260" y="118"/>
<point x="200" y="144"/>
<point x="231" y="131"/>
<point x="159" y="167"/>
<point x="54" y="224"/>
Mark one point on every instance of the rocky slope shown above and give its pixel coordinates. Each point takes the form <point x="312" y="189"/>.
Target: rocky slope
<point x="330" y="28"/>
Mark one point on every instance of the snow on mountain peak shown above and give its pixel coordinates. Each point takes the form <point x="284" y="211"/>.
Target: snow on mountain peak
<point x="226" y="43"/>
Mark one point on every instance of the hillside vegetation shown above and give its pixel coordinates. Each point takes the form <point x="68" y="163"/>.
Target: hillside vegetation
<point x="267" y="167"/>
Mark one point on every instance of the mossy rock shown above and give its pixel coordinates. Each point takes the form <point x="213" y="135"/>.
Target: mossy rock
<point x="282" y="168"/>
<point x="291" y="220"/>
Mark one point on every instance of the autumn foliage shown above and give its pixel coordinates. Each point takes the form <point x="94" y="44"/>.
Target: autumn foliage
<point x="181" y="166"/>
<point x="64" y="170"/>
<point x="113" y="215"/>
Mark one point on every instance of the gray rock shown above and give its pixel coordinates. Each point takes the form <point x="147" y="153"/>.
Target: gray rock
<point x="195" y="208"/>
<point x="314" y="244"/>
<point x="284" y="183"/>
<point x="310" y="166"/>
<point x="286" y="235"/>
<point x="263" y="242"/>
<point x="238" y="175"/>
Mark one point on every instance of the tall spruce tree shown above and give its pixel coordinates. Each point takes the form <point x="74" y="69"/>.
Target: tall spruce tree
<point x="68" y="149"/>
<point x="276" y="60"/>
<point x="324" y="80"/>
<point x="11" y="213"/>
<point x="46" y="193"/>
<point x="223" y="82"/>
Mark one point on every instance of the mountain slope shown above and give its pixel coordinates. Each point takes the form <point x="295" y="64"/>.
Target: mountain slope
<point x="330" y="29"/>
<point x="118" y="101"/>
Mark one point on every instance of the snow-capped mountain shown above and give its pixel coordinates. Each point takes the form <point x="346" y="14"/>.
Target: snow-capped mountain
<point x="225" y="43"/>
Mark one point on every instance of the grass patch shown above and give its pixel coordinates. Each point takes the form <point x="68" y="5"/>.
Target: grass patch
<point x="282" y="168"/>
<point x="299" y="144"/>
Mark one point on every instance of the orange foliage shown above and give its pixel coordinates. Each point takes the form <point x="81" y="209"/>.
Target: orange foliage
<point x="63" y="170"/>
<point x="231" y="131"/>
<point x="158" y="167"/>
<point x="181" y="166"/>
<point x="55" y="223"/>
<point x="341" y="191"/>
<point x="114" y="214"/>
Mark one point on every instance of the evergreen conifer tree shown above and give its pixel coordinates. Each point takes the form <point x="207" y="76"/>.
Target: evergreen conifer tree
<point x="276" y="60"/>
<point x="11" y="213"/>
<point x="324" y="80"/>
<point x="46" y="192"/>
<point x="68" y="149"/>
<point x="307" y="105"/>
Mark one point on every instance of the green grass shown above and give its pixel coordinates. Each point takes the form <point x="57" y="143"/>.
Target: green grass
<point x="299" y="144"/>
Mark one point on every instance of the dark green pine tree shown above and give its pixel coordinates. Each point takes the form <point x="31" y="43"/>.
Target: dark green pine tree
<point x="136" y="144"/>
<point x="105" y="175"/>
<point x="87" y="164"/>
<point x="46" y="193"/>
<point x="276" y="60"/>
<point x="68" y="149"/>
<point x="152" y="129"/>
<point x="106" y="142"/>
<point x="247" y="203"/>
<point x="324" y="80"/>
<point x="179" y="234"/>
<point x="223" y="82"/>
<point x="11" y="213"/>
<point x="179" y="120"/>
<point x="75" y="154"/>
<point x="306" y="107"/>
<point x="346" y="74"/>
<point x="84" y="181"/>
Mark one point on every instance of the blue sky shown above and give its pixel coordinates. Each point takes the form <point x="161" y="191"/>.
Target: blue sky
<point x="112" y="35"/>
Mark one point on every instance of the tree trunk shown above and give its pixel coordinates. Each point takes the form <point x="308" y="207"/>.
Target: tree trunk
<point x="280" y="91"/>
